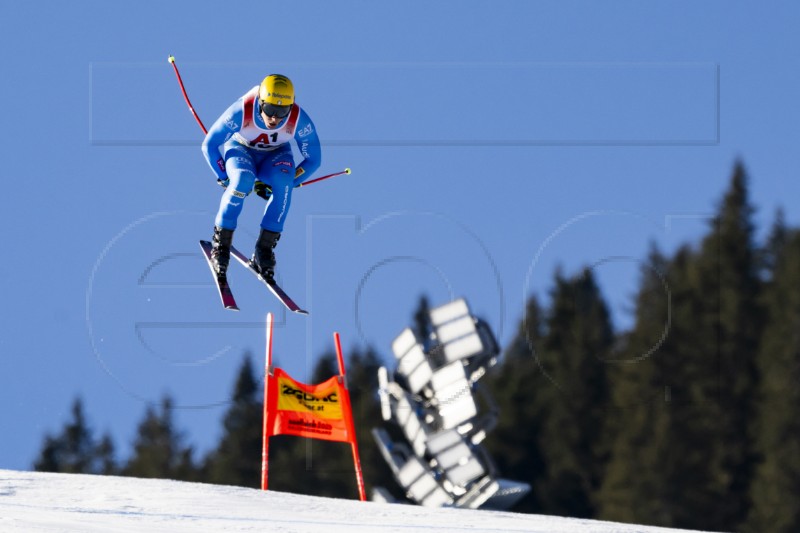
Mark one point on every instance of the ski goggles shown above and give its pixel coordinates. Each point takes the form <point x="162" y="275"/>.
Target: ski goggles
<point x="272" y="110"/>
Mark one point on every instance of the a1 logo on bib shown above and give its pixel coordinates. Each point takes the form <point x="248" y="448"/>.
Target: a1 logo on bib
<point x="264" y="140"/>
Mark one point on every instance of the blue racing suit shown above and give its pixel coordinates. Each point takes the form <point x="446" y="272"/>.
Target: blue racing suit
<point x="239" y="147"/>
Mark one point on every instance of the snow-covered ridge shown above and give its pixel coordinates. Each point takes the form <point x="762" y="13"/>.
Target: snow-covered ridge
<point x="42" y="502"/>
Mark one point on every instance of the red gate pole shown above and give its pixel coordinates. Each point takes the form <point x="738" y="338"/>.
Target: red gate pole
<point x="265" y="431"/>
<point x="348" y="410"/>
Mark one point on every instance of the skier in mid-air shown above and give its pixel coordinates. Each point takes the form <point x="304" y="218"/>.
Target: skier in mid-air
<point x="249" y="148"/>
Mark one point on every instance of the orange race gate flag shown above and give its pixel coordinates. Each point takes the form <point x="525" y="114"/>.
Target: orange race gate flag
<point x="321" y="411"/>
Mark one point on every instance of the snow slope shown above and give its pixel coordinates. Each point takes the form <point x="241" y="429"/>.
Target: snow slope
<point x="34" y="502"/>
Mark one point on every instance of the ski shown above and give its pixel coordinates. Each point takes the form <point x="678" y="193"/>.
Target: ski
<point x="272" y="286"/>
<point x="223" y="288"/>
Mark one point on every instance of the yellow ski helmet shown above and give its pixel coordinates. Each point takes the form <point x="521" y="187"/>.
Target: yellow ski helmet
<point x="276" y="89"/>
<point x="276" y="94"/>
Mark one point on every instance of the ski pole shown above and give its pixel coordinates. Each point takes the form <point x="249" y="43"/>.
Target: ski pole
<point x="185" y="96"/>
<point x="309" y="182"/>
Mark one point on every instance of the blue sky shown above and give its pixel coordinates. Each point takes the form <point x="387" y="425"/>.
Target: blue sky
<point x="490" y="143"/>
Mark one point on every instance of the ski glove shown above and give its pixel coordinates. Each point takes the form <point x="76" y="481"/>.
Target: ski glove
<point x="219" y="170"/>
<point x="263" y="190"/>
<point x="224" y="183"/>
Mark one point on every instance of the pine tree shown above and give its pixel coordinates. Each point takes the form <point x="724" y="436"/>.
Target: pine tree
<point x="573" y="397"/>
<point x="104" y="457"/>
<point x="772" y="252"/>
<point x="776" y="488"/>
<point x="362" y="381"/>
<point x="514" y="443"/>
<point x="723" y="378"/>
<point x="75" y="450"/>
<point x="692" y="452"/>
<point x="237" y="458"/>
<point x="422" y="326"/>
<point x="159" y="451"/>
<point x="640" y="473"/>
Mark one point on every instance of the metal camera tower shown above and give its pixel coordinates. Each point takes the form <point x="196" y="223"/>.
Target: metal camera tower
<point x="432" y="402"/>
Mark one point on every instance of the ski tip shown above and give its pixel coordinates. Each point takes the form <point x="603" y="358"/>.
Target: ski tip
<point x="301" y="312"/>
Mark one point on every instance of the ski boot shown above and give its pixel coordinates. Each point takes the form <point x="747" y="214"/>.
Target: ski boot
<point x="221" y="250"/>
<point x="263" y="260"/>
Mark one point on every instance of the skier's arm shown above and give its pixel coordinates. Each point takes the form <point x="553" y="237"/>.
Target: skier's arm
<point x="226" y="125"/>
<point x="308" y="144"/>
